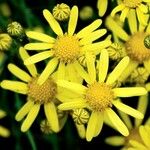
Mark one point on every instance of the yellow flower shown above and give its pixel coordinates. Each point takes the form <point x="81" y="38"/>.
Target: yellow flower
<point x="102" y="7"/>
<point x="5" y="41"/>
<point x="99" y="96"/>
<point x="134" y="43"/>
<point x="67" y="47"/>
<point x="2" y="59"/>
<point x="137" y="137"/>
<point x="139" y="7"/>
<point x="37" y="95"/>
<point x="3" y="131"/>
<point x="61" y="12"/>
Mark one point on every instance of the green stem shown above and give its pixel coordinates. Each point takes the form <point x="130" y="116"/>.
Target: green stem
<point x="31" y="140"/>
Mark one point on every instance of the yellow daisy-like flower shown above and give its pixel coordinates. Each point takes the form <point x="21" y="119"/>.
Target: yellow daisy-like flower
<point x="3" y="131"/>
<point x="139" y="7"/>
<point x="99" y="96"/>
<point x="37" y="95"/>
<point x="135" y="45"/>
<point x="67" y="47"/>
<point x="137" y="137"/>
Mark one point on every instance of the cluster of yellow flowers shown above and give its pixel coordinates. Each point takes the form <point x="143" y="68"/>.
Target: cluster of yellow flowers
<point x="79" y="79"/>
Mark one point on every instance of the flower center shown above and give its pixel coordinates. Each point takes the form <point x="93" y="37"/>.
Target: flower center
<point x="42" y="93"/>
<point x="136" y="49"/>
<point x="99" y="96"/>
<point x="67" y="48"/>
<point x="132" y="3"/>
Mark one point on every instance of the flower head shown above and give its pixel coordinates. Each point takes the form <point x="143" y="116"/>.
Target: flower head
<point x="37" y="95"/>
<point x="140" y="7"/>
<point x="138" y="134"/>
<point x="61" y="12"/>
<point x="5" y="41"/>
<point x="99" y="95"/>
<point x="135" y="43"/>
<point x="68" y="47"/>
<point x="15" y="29"/>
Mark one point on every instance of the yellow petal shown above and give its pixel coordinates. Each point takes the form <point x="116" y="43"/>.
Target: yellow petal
<point x="128" y="110"/>
<point x="82" y="72"/>
<point x="81" y="130"/>
<point x="61" y="71"/>
<point x="142" y="107"/>
<point x="98" y="46"/>
<point x="38" y="46"/>
<point x="103" y="65"/>
<point x="117" y="9"/>
<point x="99" y="124"/>
<point x="2" y="114"/>
<point x="129" y="91"/>
<point x="52" y="22"/>
<point x="75" y="87"/>
<point x="124" y="14"/>
<point x="4" y="132"/>
<point x="116" y="29"/>
<point x="90" y="60"/>
<point x="90" y="28"/>
<point x="19" y="73"/>
<point x="91" y="126"/>
<point x="73" y="20"/>
<point x="77" y="103"/>
<point x="92" y="36"/>
<point x="143" y="8"/>
<point x="115" y="140"/>
<point x="126" y="119"/>
<point x="114" y="75"/>
<point x="30" y="117"/>
<point x="38" y="57"/>
<point x="40" y="36"/>
<point x="144" y="135"/>
<point x="132" y="20"/>
<point x="102" y="7"/>
<point x="141" y="16"/>
<point x="15" y="86"/>
<point x="72" y="74"/>
<point x="31" y="68"/>
<point x="120" y="126"/>
<point x="49" y="69"/>
<point x="131" y="66"/>
<point x="137" y="145"/>
<point x="24" y="110"/>
<point x="51" y="115"/>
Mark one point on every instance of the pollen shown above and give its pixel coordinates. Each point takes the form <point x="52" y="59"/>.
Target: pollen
<point x="67" y="48"/>
<point x="42" y="93"/>
<point x="135" y="47"/>
<point x="132" y="3"/>
<point x="99" y="96"/>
